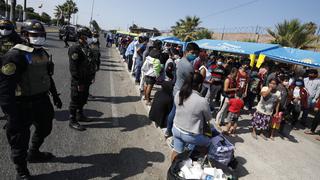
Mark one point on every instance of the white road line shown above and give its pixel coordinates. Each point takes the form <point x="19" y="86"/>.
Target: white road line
<point x="114" y="111"/>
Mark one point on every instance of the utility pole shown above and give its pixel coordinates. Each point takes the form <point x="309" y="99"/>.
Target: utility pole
<point x="24" y="10"/>
<point x="91" y="12"/>
<point x="13" y="11"/>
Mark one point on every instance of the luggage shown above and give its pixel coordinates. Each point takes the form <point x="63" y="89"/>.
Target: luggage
<point x="221" y="150"/>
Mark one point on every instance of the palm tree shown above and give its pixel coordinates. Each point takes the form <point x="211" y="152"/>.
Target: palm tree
<point x="70" y="7"/>
<point x="294" y="34"/>
<point x="185" y="29"/>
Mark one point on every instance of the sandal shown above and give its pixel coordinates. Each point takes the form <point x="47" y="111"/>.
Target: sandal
<point x="309" y="133"/>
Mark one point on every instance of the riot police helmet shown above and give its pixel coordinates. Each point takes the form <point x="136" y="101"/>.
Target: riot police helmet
<point x="6" y="27"/>
<point x="34" y="32"/>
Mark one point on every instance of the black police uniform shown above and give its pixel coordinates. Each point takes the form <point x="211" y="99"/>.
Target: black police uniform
<point x="95" y="49"/>
<point x="82" y="74"/>
<point x="7" y="42"/>
<point x="25" y="82"/>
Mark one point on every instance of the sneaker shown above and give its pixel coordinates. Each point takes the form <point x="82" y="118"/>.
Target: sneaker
<point x="167" y="134"/>
<point x="23" y="177"/>
<point x="37" y="156"/>
<point x="76" y="126"/>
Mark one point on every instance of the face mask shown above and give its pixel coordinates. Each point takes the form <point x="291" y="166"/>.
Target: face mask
<point x="94" y="40"/>
<point x="219" y="63"/>
<point x="191" y="57"/>
<point x="89" y="40"/>
<point x="5" y="32"/>
<point x="38" y="41"/>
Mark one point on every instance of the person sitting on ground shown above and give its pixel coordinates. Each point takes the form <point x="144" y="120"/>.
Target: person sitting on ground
<point x="192" y="111"/>
<point x="269" y="103"/>
<point x="235" y="106"/>
<point x="162" y="104"/>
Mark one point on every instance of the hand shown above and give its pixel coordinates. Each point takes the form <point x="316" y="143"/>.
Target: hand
<point x="57" y="101"/>
<point x="80" y="88"/>
<point x="316" y="109"/>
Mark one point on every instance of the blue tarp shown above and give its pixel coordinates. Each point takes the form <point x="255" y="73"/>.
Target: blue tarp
<point x="235" y="46"/>
<point x="175" y="42"/>
<point x="295" y="56"/>
<point x="163" y="38"/>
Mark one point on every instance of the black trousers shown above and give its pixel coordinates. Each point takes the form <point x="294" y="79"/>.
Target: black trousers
<point x="37" y="111"/>
<point x="78" y="100"/>
<point x="130" y="62"/>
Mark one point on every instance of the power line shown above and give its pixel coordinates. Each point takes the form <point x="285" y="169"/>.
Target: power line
<point x="230" y="9"/>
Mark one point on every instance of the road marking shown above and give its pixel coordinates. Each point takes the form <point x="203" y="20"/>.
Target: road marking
<point x="114" y="112"/>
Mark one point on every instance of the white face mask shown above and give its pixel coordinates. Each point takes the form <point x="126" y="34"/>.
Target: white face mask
<point x="38" y="41"/>
<point x="89" y="40"/>
<point x="94" y="40"/>
<point x="5" y="32"/>
<point x="219" y="63"/>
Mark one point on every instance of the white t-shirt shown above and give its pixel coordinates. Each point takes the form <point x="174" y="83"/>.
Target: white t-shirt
<point x="267" y="106"/>
<point x="208" y="76"/>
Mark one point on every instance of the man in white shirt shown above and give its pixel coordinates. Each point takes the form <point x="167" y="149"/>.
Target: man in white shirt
<point x="312" y="84"/>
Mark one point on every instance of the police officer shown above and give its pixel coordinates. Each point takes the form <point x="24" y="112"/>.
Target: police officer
<point x="8" y="39"/>
<point x="80" y="61"/>
<point x="95" y="49"/>
<point x="8" y="36"/>
<point x="26" y="80"/>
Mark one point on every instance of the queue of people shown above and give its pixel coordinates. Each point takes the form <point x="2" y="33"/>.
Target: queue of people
<point x="199" y="86"/>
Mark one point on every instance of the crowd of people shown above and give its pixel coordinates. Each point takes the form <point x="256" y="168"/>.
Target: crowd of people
<point x="200" y="87"/>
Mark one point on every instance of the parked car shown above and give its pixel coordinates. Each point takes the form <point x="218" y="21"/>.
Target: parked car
<point x="73" y="32"/>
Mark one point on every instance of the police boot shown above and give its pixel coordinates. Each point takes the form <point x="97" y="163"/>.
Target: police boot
<point x="22" y="173"/>
<point x="37" y="156"/>
<point x="74" y="124"/>
<point x="81" y="117"/>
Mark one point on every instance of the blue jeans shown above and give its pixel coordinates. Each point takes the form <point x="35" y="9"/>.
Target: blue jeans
<point x="182" y="138"/>
<point x="138" y="65"/>
<point x="170" y="118"/>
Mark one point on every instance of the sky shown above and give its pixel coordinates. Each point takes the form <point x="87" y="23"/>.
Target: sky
<point x="162" y="14"/>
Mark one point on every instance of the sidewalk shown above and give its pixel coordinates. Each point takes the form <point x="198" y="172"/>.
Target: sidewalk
<point x="296" y="157"/>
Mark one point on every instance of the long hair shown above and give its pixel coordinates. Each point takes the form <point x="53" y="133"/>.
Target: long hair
<point x="191" y="83"/>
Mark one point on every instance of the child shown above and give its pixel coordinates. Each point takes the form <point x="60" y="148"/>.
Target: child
<point x="275" y="124"/>
<point x="235" y="106"/>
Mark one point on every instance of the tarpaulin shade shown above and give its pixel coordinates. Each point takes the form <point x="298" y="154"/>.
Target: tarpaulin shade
<point x="235" y="46"/>
<point x="294" y="56"/>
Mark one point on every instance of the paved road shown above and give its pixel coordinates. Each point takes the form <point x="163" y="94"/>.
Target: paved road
<point x="120" y="143"/>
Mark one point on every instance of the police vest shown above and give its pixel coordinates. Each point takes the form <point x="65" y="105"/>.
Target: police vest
<point x="5" y="45"/>
<point x="35" y="79"/>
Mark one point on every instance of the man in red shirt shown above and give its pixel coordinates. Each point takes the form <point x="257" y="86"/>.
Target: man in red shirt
<point x="235" y="106"/>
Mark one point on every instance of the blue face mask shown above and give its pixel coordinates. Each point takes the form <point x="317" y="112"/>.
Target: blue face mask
<point x="191" y="57"/>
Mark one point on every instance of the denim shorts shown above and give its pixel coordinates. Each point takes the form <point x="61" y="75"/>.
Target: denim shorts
<point x="182" y="138"/>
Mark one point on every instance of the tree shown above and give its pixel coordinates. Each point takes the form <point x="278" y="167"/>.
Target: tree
<point x="95" y="25"/>
<point x="188" y="29"/>
<point x="59" y="14"/>
<point x="30" y="9"/>
<point x="294" y="34"/>
<point x="46" y="18"/>
<point x="70" y="7"/>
